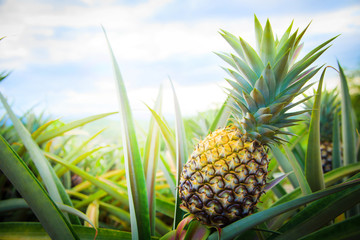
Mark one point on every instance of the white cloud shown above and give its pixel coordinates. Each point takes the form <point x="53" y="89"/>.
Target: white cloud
<point x="192" y="99"/>
<point x="31" y="26"/>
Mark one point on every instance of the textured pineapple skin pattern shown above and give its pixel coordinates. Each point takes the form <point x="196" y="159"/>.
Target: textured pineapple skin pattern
<point x="224" y="177"/>
<point x="326" y="149"/>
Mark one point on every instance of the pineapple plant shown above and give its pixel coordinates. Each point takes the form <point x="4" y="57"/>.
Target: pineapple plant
<point x="330" y="105"/>
<point x="225" y="175"/>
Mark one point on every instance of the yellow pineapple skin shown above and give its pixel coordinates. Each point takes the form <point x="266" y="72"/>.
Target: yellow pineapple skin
<point x="224" y="177"/>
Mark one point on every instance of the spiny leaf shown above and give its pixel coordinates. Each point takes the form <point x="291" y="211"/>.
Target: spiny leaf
<point x="270" y="79"/>
<point x="242" y="81"/>
<point x="226" y="57"/>
<point x="258" y="32"/>
<point x="303" y="182"/>
<point x="151" y="156"/>
<point x="262" y="86"/>
<point x="67" y="127"/>
<point x="181" y="155"/>
<point x="245" y="69"/>
<point x="244" y="224"/>
<point x="291" y="76"/>
<point x="14" y="168"/>
<point x="234" y="43"/>
<point x="267" y="48"/>
<point x="37" y="157"/>
<point x="347" y="229"/>
<point x="258" y="98"/>
<point x="252" y="57"/>
<point x="348" y="129"/>
<point x="281" y="66"/>
<point x="313" y="166"/>
<point x="250" y="102"/>
<point x="139" y="208"/>
<point x="336" y="154"/>
<point x="285" y="36"/>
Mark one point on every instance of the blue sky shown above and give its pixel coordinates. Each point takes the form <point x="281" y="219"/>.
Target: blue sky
<point x="60" y="61"/>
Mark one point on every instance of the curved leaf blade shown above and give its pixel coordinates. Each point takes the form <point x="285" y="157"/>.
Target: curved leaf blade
<point x="239" y="227"/>
<point x="151" y="157"/>
<point x="313" y="167"/>
<point x="348" y="129"/>
<point x="319" y="213"/>
<point x="34" y="231"/>
<point x="304" y="185"/>
<point x="28" y="186"/>
<point x="348" y="229"/>
<point x="285" y="165"/>
<point x="139" y="208"/>
<point x="46" y="136"/>
<point x="181" y="156"/>
<point x="37" y="157"/>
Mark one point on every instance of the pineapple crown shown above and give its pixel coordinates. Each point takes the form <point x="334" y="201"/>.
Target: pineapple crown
<point x="267" y="80"/>
<point x="329" y="106"/>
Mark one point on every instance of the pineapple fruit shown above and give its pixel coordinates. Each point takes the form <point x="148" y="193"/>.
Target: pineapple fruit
<point x="225" y="176"/>
<point x="330" y="105"/>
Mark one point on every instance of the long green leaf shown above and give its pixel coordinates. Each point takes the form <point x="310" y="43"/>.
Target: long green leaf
<point x="20" y="203"/>
<point x="336" y="154"/>
<point x="118" y="212"/>
<point x="330" y="178"/>
<point x="348" y="129"/>
<point x="166" y="132"/>
<point x="313" y="167"/>
<point x="258" y="32"/>
<point x="267" y="49"/>
<point x="222" y="116"/>
<point x="111" y="189"/>
<point x="77" y="160"/>
<point x="165" y="207"/>
<point x="74" y="155"/>
<point x="46" y="136"/>
<point x="115" y="175"/>
<point x="285" y="165"/>
<point x="65" y="198"/>
<point x="345" y="230"/>
<point x="181" y="156"/>
<point x="339" y="173"/>
<point x="139" y="208"/>
<point x="160" y="227"/>
<point x="252" y="57"/>
<point x="151" y="156"/>
<point x="12" y="204"/>
<point x="169" y="176"/>
<point x="304" y="185"/>
<point x="234" y="42"/>
<point x="89" y="199"/>
<point x="31" y="190"/>
<point x="320" y="212"/>
<point x="37" y="157"/>
<point x="34" y="231"/>
<point x="242" y="225"/>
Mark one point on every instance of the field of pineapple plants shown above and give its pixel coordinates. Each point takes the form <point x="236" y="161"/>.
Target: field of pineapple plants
<point x="273" y="162"/>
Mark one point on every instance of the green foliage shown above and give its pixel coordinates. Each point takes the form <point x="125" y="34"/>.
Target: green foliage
<point x="129" y="187"/>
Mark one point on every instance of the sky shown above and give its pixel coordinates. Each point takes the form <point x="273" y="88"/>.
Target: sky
<point x="60" y="62"/>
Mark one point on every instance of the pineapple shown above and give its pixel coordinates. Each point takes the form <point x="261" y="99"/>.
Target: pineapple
<point x="225" y="175"/>
<point x="329" y="106"/>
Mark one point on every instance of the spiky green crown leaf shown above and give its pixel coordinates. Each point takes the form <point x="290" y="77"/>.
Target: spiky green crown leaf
<point x="329" y="106"/>
<point x="267" y="80"/>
